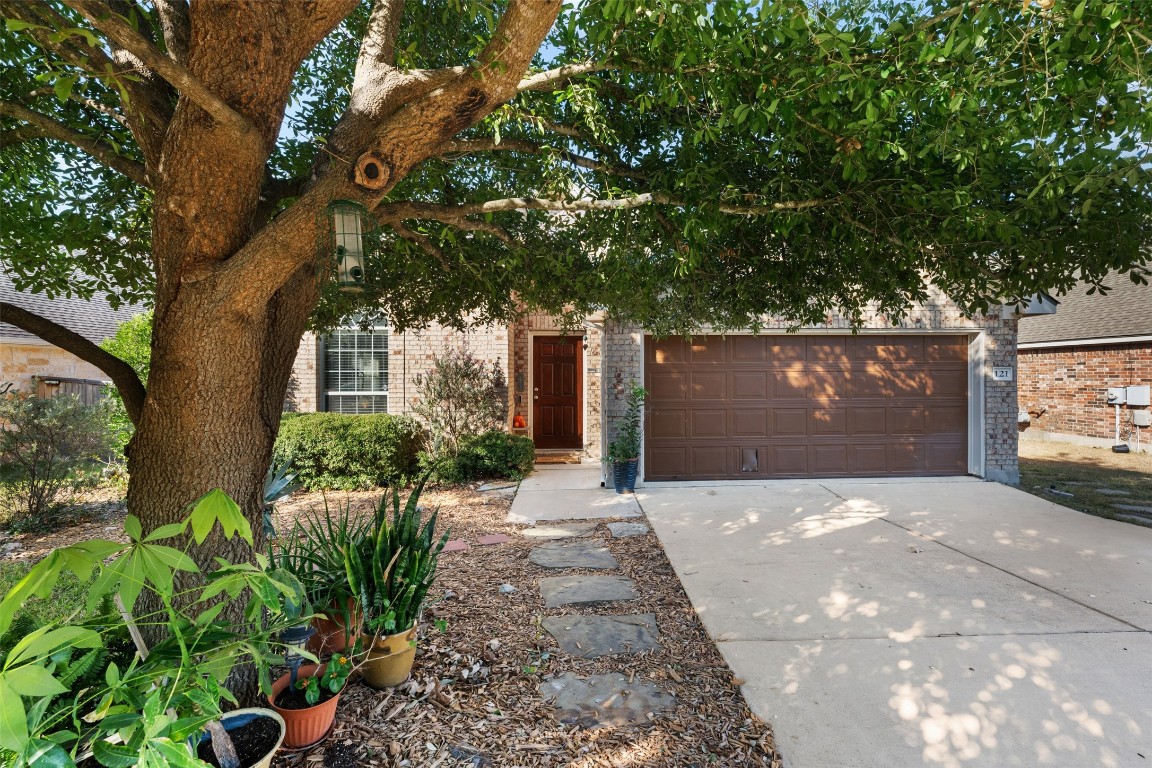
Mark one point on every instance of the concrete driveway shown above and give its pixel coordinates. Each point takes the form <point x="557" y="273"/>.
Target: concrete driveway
<point x="950" y="623"/>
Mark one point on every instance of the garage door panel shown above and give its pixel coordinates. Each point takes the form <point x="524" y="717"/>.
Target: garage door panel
<point x="668" y="386"/>
<point x="710" y="422"/>
<point x="709" y="385"/>
<point x="749" y="422"/>
<point x="829" y="421"/>
<point x="750" y="385"/>
<point x="804" y="406"/>
<point x="710" y="461"/>
<point x="789" y="422"/>
<point x="668" y="423"/>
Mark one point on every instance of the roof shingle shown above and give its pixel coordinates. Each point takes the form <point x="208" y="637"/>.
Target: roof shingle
<point x="1125" y="311"/>
<point x="94" y="320"/>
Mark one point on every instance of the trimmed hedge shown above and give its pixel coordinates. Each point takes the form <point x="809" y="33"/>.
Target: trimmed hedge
<point x="347" y="451"/>
<point x="489" y="455"/>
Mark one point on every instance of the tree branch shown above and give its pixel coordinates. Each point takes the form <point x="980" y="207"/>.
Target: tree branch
<point x="423" y="241"/>
<point x="47" y="128"/>
<point x="176" y="25"/>
<point x="122" y="374"/>
<point x="545" y="81"/>
<point x="470" y="146"/>
<point x="120" y="32"/>
<point x="449" y="213"/>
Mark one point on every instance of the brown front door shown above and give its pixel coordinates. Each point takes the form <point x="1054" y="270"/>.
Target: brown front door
<point x="806" y="406"/>
<point x="556" y="384"/>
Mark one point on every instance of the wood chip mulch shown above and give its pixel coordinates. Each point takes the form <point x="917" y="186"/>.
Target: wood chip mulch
<point x="473" y="697"/>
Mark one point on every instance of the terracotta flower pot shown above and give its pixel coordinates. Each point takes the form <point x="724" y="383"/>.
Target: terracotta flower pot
<point x="304" y="727"/>
<point x="390" y="659"/>
<point x="333" y="634"/>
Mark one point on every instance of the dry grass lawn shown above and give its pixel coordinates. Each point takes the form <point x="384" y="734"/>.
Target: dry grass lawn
<point x="1096" y="478"/>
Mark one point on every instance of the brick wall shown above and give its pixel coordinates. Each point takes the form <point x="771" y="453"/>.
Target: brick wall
<point x="411" y="353"/>
<point x="20" y="363"/>
<point x="303" y="394"/>
<point x="623" y="356"/>
<point x="1063" y="388"/>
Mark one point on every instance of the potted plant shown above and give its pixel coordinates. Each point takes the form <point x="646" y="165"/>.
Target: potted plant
<point x="624" y="451"/>
<point x="165" y="705"/>
<point x="314" y="554"/>
<point x="306" y="697"/>
<point x="391" y="573"/>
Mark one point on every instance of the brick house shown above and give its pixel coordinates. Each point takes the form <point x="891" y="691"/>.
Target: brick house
<point x="30" y="364"/>
<point x="1069" y="360"/>
<point x="917" y="398"/>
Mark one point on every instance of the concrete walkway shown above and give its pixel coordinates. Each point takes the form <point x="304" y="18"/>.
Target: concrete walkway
<point x="949" y="623"/>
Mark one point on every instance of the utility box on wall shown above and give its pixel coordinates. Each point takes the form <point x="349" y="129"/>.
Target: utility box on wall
<point x="1117" y="395"/>
<point x="1139" y="395"/>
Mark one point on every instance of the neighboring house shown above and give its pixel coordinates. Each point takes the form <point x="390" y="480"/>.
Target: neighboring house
<point x="917" y="398"/>
<point x="31" y="364"/>
<point x="1070" y="359"/>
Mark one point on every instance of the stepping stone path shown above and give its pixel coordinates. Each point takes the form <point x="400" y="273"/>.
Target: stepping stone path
<point x="598" y="700"/>
<point x="1133" y="508"/>
<point x="493" y="538"/>
<point x="573" y="555"/>
<point x="568" y="531"/>
<point x="590" y="637"/>
<point x="624" y="530"/>
<point x="1111" y="492"/>
<point x="456" y="545"/>
<point x="578" y="590"/>
<point x="1135" y="519"/>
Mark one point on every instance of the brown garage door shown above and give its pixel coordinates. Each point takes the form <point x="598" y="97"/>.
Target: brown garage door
<point x="806" y="406"/>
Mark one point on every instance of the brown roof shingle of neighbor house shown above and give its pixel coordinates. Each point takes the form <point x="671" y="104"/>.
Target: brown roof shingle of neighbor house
<point x="94" y="319"/>
<point x="1125" y="311"/>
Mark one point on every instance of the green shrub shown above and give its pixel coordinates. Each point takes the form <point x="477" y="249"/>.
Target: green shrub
<point x="345" y="451"/>
<point x="49" y="445"/>
<point x="460" y="398"/>
<point x="132" y="344"/>
<point x="490" y="455"/>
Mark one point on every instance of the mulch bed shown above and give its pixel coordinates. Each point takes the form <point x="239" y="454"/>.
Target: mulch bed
<point x="473" y="696"/>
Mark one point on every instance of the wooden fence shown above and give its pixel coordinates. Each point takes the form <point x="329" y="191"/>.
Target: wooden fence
<point x="89" y="391"/>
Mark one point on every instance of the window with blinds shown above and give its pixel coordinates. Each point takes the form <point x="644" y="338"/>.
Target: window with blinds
<point x="356" y="371"/>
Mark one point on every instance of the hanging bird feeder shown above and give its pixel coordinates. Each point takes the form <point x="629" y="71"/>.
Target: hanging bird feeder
<point x="348" y="237"/>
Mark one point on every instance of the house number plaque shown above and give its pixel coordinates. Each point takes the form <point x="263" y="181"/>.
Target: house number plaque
<point x="1002" y="374"/>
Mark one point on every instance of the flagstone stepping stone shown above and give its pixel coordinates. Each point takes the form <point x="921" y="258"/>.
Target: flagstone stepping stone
<point x="1135" y="519"/>
<point x="590" y="637"/>
<point x="574" y="590"/>
<point x="624" y="530"/>
<point x="493" y="538"/>
<point x="567" y="531"/>
<point x="573" y="555"/>
<point x="603" y="700"/>
<point x="1111" y="492"/>
<point x="1133" y="508"/>
<point x="455" y="545"/>
<point x="497" y="487"/>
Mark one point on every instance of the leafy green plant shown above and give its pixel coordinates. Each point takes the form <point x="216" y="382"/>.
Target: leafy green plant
<point x="132" y="343"/>
<point x="626" y="445"/>
<point x="459" y="398"/>
<point x="494" y="454"/>
<point x="48" y="445"/>
<point x="166" y="693"/>
<point x="348" y="452"/>
<point x="279" y="483"/>
<point x="393" y="569"/>
<point x="333" y="680"/>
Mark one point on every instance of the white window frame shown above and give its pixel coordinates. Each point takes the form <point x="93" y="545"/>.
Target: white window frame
<point x="329" y="393"/>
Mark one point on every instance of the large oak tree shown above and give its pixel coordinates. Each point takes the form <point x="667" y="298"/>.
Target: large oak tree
<point x="676" y="162"/>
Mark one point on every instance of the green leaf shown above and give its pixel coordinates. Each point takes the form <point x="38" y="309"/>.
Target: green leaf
<point x="13" y="723"/>
<point x="33" y="681"/>
<point x="1078" y="13"/>
<point x="167" y="531"/>
<point x="45" y="754"/>
<point x="114" y="755"/>
<point x="218" y="506"/>
<point x="132" y="527"/>
<point x="38" y="582"/>
<point x="45" y="640"/>
<point x="15" y="25"/>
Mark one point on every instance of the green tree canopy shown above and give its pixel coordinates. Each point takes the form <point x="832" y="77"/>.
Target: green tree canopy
<point x="674" y="162"/>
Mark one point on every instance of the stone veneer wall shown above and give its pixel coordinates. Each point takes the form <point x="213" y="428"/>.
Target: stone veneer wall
<point x="520" y="380"/>
<point x="1063" y="389"/>
<point x="623" y="364"/>
<point x="20" y="363"/>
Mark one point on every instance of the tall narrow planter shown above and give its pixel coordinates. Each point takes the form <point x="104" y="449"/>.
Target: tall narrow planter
<point x="390" y="659"/>
<point x="308" y="726"/>
<point x="624" y="475"/>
